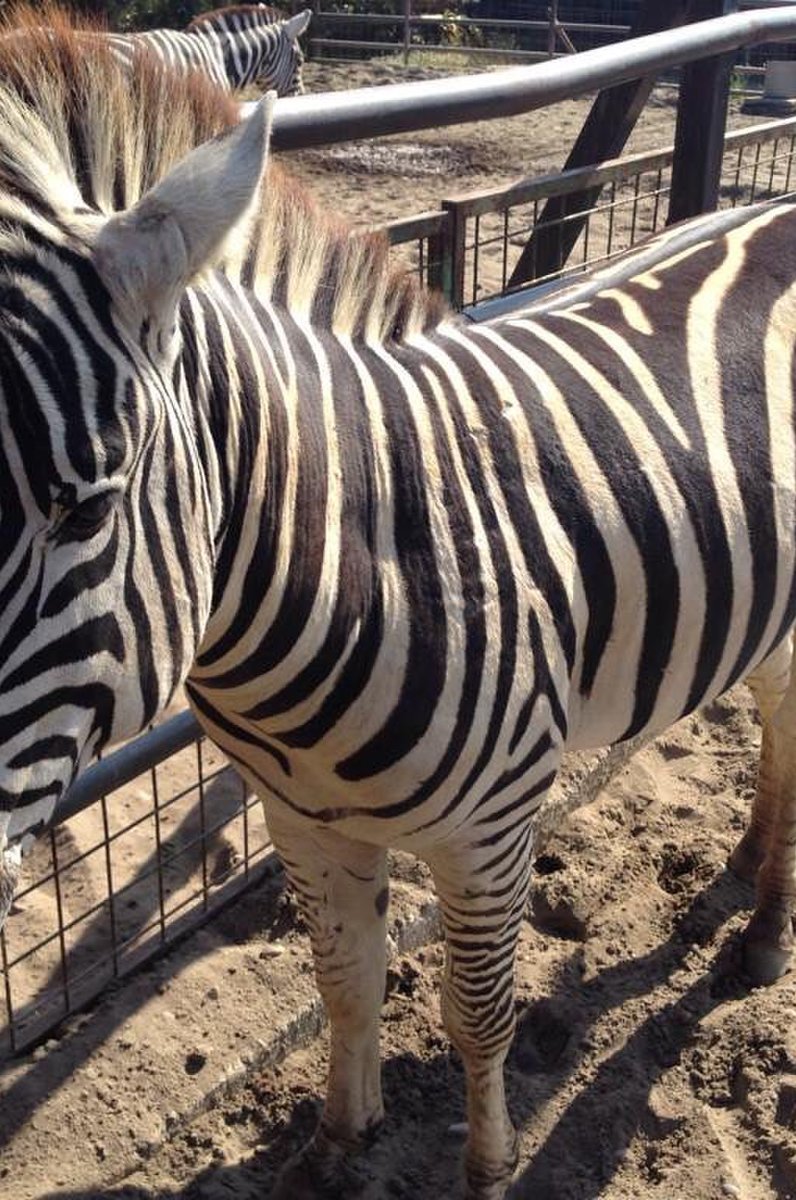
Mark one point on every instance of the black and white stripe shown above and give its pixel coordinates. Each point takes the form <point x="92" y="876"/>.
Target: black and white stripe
<point x="237" y="47"/>
<point x="402" y="563"/>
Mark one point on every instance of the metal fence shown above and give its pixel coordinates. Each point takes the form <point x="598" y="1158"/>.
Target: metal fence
<point x="530" y="33"/>
<point x="469" y="247"/>
<point x="121" y="880"/>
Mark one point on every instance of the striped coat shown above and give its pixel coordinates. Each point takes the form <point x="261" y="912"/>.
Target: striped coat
<point x="400" y="563"/>
<point x="236" y="47"/>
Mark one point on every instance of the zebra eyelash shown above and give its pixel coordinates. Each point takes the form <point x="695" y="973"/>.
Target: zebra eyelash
<point x="77" y="521"/>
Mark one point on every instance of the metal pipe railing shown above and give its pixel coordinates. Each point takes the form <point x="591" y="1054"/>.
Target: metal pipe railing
<point x="326" y="118"/>
<point x="124" y="765"/>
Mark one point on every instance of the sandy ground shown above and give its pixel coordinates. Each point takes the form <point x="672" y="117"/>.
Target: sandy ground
<point x="644" y="1066"/>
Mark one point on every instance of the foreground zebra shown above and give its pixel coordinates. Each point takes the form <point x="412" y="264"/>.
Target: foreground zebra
<point x="236" y="47"/>
<point x="400" y="563"/>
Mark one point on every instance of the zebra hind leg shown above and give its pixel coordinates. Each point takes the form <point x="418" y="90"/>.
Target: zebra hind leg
<point x="342" y="891"/>
<point x="768" y="849"/>
<point x="768" y="685"/>
<point x="482" y="905"/>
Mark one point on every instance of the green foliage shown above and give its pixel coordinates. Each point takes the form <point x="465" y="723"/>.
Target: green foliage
<point x="453" y="34"/>
<point x="128" y="15"/>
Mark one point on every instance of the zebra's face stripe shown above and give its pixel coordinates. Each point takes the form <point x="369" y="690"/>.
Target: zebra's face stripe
<point x="105" y="535"/>
<point x="280" y="69"/>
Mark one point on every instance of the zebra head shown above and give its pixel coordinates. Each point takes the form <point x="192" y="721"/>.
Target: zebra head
<point x="259" y="48"/>
<point x="284" y="73"/>
<point x="107" y="521"/>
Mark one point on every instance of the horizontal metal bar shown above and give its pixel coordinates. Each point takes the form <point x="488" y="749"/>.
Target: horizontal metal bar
<point x="127" y="763"/>
<point x="475" y="22"/>
<point x="755" y="135"/>
<point x="323" y="118"/>
<point x="390" y="48"/>
<point x="560" y="183"/>
<point x="406" y="229"/>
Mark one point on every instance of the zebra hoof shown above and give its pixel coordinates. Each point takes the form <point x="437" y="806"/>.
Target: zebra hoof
<point x="765" y="964"/>
<point x="766" y="958"/>
<point x="492" y="1189"/>
<point x="318" y="1172"/>
<point x="496" y="1191"/>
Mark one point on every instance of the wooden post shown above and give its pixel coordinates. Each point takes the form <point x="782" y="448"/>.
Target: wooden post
<point x="701" y="123"/>
<point x="439" y="273"/>
<point x="407" y="30"/>
<point x="604" y="135"/>
<point x="315" y="29"/>
<point x="455" y="229"/>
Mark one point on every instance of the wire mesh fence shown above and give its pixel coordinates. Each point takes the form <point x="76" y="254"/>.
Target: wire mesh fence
<point x="519" y="31"/>
<point x="121" y="880"/>
<point x="471" y="247"/>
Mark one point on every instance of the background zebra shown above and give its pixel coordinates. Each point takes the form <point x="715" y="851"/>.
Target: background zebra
<point x="237" y="47"/>
<point x="400" y="562"/>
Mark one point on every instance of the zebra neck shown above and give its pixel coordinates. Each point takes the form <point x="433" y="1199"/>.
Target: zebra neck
<point x="240" y="379"/>
<point x="296" y="572"/>
<point x="243" y="53"/>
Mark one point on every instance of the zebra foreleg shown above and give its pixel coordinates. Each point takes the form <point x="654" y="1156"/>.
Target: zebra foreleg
<point x="771" y="838"/>
<point x="342" y="891"/>
<point x="482" y="905"/>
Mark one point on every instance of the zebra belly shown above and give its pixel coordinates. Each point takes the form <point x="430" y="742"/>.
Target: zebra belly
<point x="405" y="739"/>
<point x="722" y="617"/>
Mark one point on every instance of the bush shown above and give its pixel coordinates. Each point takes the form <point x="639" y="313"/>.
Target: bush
<point x="128" y="15"/>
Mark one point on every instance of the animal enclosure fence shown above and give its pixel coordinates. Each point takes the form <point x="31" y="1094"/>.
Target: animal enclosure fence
<point x="152" y="842"/>
<point x="525" y="34"/>
<point x="469" y="247"/>
<point x="130" y="865"/>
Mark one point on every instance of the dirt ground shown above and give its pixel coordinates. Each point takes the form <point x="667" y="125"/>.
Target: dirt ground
<point x="644" y="1065"/>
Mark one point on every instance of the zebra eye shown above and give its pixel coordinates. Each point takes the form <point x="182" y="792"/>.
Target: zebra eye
<point x="82" y="521"/>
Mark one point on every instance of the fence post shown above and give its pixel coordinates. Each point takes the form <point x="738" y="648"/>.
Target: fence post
<point x="552" y="13"/>
<point x="315" y="30"/>
<point x="439" y="270"/>
<point x="701" y="122"/>
<point x="407" y="30"/>
<point x="604" y="134"/>
<point x="452" y="256"/>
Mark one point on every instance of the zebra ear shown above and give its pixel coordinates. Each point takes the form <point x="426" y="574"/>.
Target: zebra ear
<point x="147" y="255"/>
<point x="295" y="26"/>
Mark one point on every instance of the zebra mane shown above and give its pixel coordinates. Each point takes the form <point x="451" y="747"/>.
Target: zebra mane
<point x="247" y="16"/>
<point x="81" y="135"/>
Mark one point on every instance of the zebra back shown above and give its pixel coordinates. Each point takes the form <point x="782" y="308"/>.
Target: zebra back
<point x="234" y="17"/>
<point x="175" y="51"/>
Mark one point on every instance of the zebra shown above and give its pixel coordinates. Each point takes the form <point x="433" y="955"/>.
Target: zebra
<point x="238" y="46"/>
<point x="400" y="563"/>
